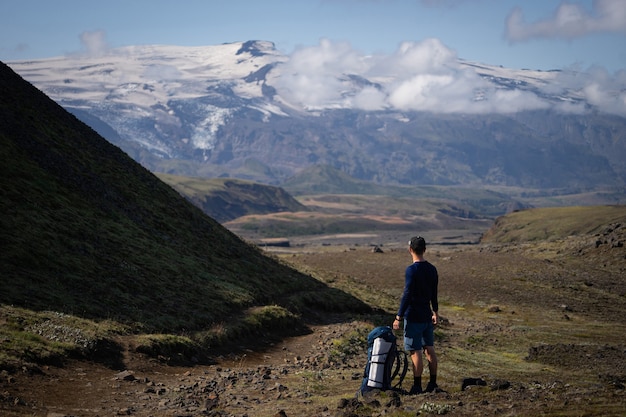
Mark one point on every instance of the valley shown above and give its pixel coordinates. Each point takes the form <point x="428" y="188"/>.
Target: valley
<point x="520" y="316"/>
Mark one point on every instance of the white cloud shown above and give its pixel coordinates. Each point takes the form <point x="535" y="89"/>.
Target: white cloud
<point x="428" y="76"/>
<point x="369" y="99"/>
<point x="606" y="92"/>
<point x="595" y="86"/>
<point x="94" y="43"/>
<point x="419" y="76"/>
<point x="569" y="21"/>
<point x="428" y="56"/>
<point x="511" y="101"/>
<point x="312" y="76"/>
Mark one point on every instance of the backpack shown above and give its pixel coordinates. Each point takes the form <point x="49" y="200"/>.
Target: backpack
<point x="384" y="361"/>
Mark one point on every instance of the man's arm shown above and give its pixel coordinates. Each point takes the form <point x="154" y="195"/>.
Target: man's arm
<point x="404" y="301"/>
<point x="434" y="301"/>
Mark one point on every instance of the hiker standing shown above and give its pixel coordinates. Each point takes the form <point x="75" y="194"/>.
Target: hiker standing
<point x="419" y="295"/>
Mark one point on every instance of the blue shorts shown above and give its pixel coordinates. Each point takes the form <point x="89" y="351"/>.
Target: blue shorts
<point x="418" y="335"/>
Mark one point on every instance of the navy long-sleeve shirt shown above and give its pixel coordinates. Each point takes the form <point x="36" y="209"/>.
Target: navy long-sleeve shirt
<point x="420" y="292"/>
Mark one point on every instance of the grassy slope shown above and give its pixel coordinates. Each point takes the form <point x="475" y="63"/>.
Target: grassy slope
<point x="545" y="224"/>
<point x="87" y="231"/>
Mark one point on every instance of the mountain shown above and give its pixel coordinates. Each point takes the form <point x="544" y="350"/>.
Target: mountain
<point x="86" y="230"/>
<point x="244" y="110"/>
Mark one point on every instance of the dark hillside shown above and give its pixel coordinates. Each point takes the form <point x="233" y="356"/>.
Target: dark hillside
<point x="88" y="231"/>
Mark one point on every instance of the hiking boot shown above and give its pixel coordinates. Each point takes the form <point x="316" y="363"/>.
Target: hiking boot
<point x="431" y="387"/>
<point x="415" y="390"/>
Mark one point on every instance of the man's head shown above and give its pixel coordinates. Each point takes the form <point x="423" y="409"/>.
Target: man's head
<point x="417" y="244"/>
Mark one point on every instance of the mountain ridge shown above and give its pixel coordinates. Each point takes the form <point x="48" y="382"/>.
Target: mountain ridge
<point x="214" y="111"/>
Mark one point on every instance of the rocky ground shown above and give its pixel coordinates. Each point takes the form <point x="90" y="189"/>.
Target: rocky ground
<point x="538" y="330"/>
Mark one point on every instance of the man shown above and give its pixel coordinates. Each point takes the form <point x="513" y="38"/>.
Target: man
<point x="420" y="293"/>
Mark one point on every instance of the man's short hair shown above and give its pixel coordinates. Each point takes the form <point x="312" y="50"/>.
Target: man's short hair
<point x="418" y="244"/>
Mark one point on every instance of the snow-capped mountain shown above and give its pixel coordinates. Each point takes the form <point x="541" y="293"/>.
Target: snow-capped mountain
<point x="126" y="88"/>
<point x="419" y="116"/>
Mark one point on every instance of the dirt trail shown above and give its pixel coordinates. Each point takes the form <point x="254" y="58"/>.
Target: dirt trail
<point x="147" y="387"/>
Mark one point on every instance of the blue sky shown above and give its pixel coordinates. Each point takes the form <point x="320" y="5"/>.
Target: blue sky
<point x="535" y="34"/>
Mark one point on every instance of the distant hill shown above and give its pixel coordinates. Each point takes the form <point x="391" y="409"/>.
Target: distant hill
<point x="553" y="223"/>
<point x="88" y="231"/>
<point x="476" y="200"/>
<point x="226" y="199"/>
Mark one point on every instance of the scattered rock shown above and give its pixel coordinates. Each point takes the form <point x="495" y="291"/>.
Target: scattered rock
<point x="472" y="381"/>
<point x="351" y="403"/>
<point x="612" y="236"/>
<point x="125" y="376"/>
<point x="212" y="401"/>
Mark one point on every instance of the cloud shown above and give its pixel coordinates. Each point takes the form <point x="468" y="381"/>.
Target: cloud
<point x="605" y="92"/>
<point x="313" y="76"/>
<point x="594" y="86"/>
<point x="94" y="43"/>
<point x="418" y="76"/>
<point x="569" y="21"/>
<point x="429" y="56"/>
<point x="428" y="76"/>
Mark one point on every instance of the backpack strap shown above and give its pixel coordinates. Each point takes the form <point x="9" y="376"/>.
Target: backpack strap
<point x="402" y="361"/>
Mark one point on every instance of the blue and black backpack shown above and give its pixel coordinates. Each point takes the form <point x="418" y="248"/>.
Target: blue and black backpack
<point x="385" y="361"/>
